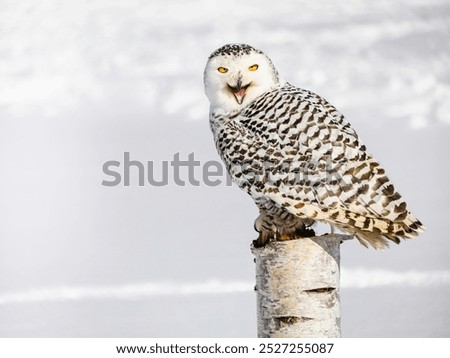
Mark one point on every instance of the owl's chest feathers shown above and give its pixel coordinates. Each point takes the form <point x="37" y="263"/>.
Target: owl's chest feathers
<point x="270" y="133"/>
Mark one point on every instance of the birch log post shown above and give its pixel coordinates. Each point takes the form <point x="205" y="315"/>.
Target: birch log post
<point x="297" y="287"/>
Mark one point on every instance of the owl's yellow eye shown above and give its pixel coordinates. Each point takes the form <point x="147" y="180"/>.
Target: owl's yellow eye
<point x="253" y="67"/>
<point x="222" y="69"/>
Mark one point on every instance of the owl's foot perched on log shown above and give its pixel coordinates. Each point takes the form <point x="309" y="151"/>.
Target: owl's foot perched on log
<point x="265" y="237"/>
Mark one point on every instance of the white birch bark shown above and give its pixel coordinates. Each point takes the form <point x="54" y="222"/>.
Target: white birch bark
<point x="297" y="287"/>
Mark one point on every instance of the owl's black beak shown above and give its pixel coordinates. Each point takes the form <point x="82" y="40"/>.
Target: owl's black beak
<point x="239" y="91"/>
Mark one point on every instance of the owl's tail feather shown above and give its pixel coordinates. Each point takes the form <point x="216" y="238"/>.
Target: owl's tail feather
<point x="378" y="233"/>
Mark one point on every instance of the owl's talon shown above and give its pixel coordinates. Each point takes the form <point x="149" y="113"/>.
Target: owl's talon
<point x="262" y="240"/>
<point x="305" y="232"/>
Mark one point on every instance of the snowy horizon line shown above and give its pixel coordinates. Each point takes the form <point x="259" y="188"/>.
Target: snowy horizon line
<point x="350" y="278"/>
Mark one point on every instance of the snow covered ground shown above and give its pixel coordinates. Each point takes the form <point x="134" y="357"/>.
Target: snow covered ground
<point x="83" y="82"/>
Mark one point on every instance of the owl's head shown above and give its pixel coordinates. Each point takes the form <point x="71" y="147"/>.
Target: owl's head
<point x="235" y="75"/>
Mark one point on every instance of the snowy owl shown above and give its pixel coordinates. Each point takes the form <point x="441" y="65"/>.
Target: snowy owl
<point x="297" y="156"/>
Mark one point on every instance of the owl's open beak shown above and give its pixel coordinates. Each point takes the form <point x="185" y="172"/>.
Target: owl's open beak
<point x="239" y="91"/>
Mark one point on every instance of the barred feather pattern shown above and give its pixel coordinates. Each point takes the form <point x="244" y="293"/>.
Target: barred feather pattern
<point x="301" y="161"/>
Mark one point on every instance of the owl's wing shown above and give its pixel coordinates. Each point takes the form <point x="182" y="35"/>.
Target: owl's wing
<point x="310" y="161"/>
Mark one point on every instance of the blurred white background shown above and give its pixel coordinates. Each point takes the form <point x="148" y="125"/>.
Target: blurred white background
<point x="83" y="82"/>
